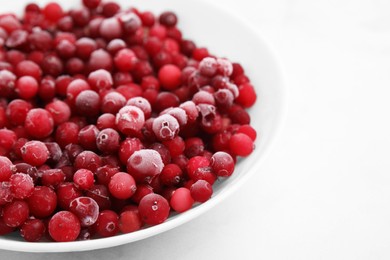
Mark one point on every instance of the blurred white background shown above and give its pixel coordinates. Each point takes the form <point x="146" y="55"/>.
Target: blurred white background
<point x="324" y="190"/>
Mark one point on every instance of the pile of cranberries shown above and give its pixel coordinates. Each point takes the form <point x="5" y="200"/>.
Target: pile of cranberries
<point x="110" y="120"/>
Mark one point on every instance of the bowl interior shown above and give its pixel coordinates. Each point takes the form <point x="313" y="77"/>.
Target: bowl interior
<point x="225" y="35"/>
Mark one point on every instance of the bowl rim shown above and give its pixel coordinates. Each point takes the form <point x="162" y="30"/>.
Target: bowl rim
<point x="177" y="220"/>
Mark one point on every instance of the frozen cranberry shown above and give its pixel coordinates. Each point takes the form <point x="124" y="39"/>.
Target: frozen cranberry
<point x="52" y="177"/>
<point x="75" y="88"/>
<point x="166" y="100"/>
<point x="169" y="76"/>
<point x="87" y="137"/>
<point x="129" y="90"/>
<point x="128" y="147"/>
<point x="88" y="103"/>
<point x="241" y="144"/>
<point x="32" y="230"/>
<point x="175" y="146"/>
<point x="153" y="209"/>
<point x="52" y="65"/>
<point x="7" y="83"/>
<point x="6" y="168"/>
<point x="52" y="12"/>
<point x="178" y="113"/>
<point x="112" y="102"/>
<point x="248" y="130"/>
<point x="125" y="60"/>
<point x="129" y="221"/>
<point x="100" y="59"/>
<point x="6" y="195"/>
<point x="130" y="119"/>
<point x="83" y="179"/>
<point x="106" y="121"/>
<point x="107" y="224"/>
<point x="193" y="146"/>
<point x="28" y="68"/>
<point x="88" y="160"/>
<point x="105" y="173"/>
<point x="91" y="4"/>
<point x="122" y="185"/>
<point x="147" y="19"/>
<point x="222" y="164"/>
<point x="191" y="110"/>
<point x="247" y="96"/>
<point x="144" y="164"/>
<point x="108" y="140"/>
<point x="22" y="185"/>
<point x="86" y="209"/>
<point x="168" y="19"/>
<point x="142" y="191"/>
<point x="7" y="140"/>
<point x="64" y="226"/>
<point x="39" y="123"/>
<point x="55" y="152"/>
<point x="181" y="200"/>
<point x="66" y="192"/>
<point x="80" y="16"/>
<point x="59" y="110"/>
<point x="111" y="28"/>
<point x="100" y="79"/>
<point x="35" y="153"/>
<point x="166" y="127"/>
<point x="67" y="133"/>
<point x="171" y="175"/>
<point x="15" y="213"/>
<point x="130" y="22"/>
<point x="101" y="195"/>
<point x="17" y="111"/>
<point x="238" y="115"/>
<point x="26" y="87"/>
<point x="203" y="97"/>
<point x="142" y="104"/>
<point x="84" y="47"/>
<point x="110" y="9"/>
<point x="201" y="191"/>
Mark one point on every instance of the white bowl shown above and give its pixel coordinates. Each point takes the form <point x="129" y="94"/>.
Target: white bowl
<point x="227" y="35"/>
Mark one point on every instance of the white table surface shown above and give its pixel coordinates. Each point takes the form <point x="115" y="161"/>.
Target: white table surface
<point x="323" y="192"/>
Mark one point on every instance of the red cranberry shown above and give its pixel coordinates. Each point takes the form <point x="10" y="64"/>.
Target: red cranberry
<point x="15" y="213"/>
<point x="168" y="19"/>
<point x="35" y="153"/>
<point x="87" y="137"/>
<point x="106" y="121"/>
<point x="222" y="164"/>
<point x="67" y="133"/>
<point x="88" y="103"/>
<point x="108" y="141"/>
<point x="241" y="144"/>
<point x="145" y="164"/>
<point x="59" y="110"/>
<point x="86" y="209"/>
<point x="129" y="221"/>
<point x="26" y="87"/>
<point x="181" y="200"/>
<point x="130" y="119"/>
<point x="169" y="76"/>
<point x="153" y="209"/>
<point x="22" y="185"/>
<point x="122" y="185"/>
<point x="17" y="111"/>
<point x="107" y="224"/>
<point x="32" y="230"/>
<point x="88" y="160"/>
<point x="125" y="60"/>
<point x="201" y="191"/>
<point x="64" y="226"/>
<point x="91" y="4"/>
<point x="7" y="140"/>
